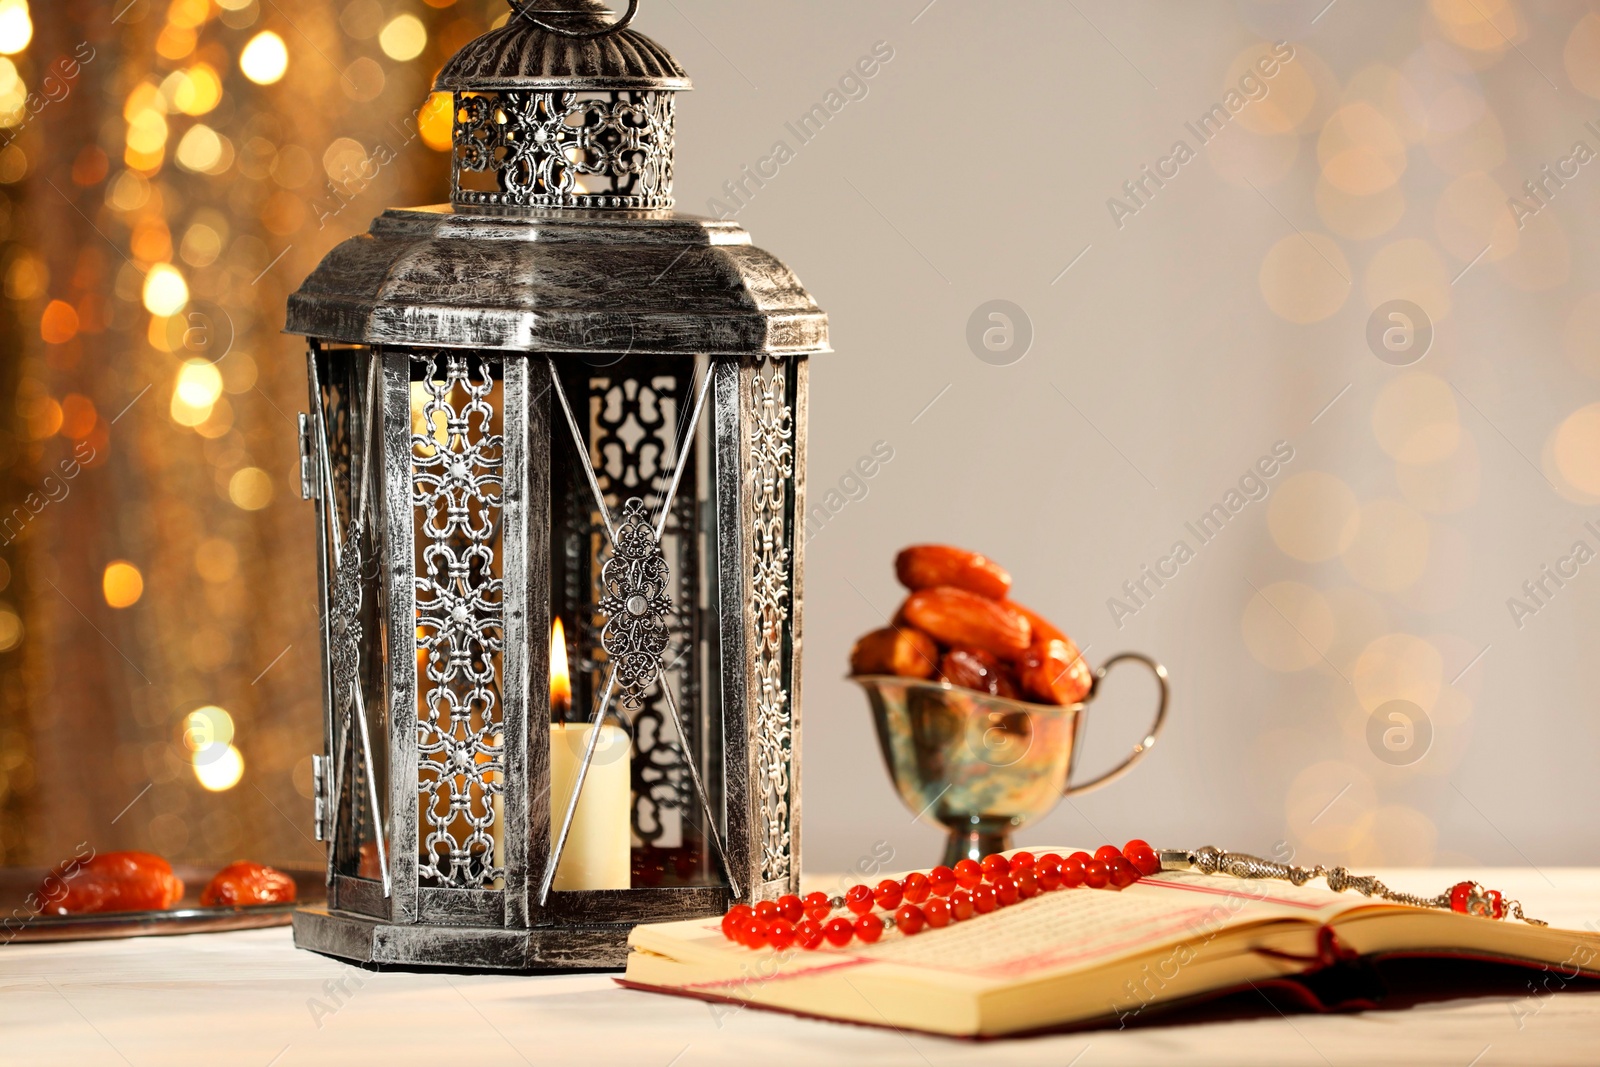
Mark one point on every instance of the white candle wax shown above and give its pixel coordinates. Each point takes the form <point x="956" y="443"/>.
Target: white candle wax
<point x="598" y="853"/>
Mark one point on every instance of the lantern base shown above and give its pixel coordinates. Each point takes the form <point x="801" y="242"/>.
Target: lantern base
<point x="382" y="945"/>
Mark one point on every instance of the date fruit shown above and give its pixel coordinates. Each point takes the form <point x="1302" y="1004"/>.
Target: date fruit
<point x="1054" y="672"/>
<point x="1043" y="629"/>
<point x="896" y="650"/>
<point x="243" y="884"/>
<point x="930" y="566"/>
<point x="973" y="668"/>
<point x="963" y="619"/>
<point x="119" y="881"/>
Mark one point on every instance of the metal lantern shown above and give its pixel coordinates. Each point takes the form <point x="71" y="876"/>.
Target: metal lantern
<point x="557" y="446"/>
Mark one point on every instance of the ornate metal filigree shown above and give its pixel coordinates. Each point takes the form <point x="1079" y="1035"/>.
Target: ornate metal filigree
<point x="635" y="601"/>
<point x="344" y="621"/>
<point x="563" y="149"/>
<point x="771" y="473"/>
<point x="636" y="426"/>
<point x="456" y="489"/>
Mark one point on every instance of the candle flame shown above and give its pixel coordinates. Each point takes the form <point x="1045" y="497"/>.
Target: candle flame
<point x="560" y="678"/>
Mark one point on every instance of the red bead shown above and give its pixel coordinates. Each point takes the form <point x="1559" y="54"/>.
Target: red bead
<point x="839" y="932"/>
<point x="942" y="880"/>
<point x="755" y="933"/>
<point x="815" y="900"/>
<point x="767" y="910"/>
<point x="984" y="900"/>
<point x="1107" y="853"/>
<point x="780" y="933"/>
<point x="910" y="919"/>
<point x="917" y="887"/>
<point x="1021" y="860"/>
<point x="1048" y="871"/>
<point x="1005" y="890"/>
<point x="734" y="919"/>
<point x="869" y="928"/>
<point x="937" y="911"/>
<point x="791" y="908"/>
<point x="1072" y="869"/>
<point x="994" y="866"/>
<point x="1122" y="873"/>
<point x="961" y="904"/>
<point x="808" y="932"/>
<point x="1469" y="898"/>
<point x="968" y="873"/>
<point x="1027" y="883"/>
<point x="888" y="894"/>
<point x="859" y="899"/>
<point x="1095" y="875"/>
<point x="1142" y="856"/>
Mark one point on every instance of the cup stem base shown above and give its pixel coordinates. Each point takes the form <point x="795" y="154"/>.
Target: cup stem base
<point x="975" y="841"/>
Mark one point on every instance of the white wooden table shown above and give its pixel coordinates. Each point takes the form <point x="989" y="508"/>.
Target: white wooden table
<point x="252" y="999"/>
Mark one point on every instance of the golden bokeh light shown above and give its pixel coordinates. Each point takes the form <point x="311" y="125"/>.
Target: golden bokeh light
<point x="11" y="629"/>
<point x="16" y="27"/>
<point x="1576" y="449"/>
<point x="1359" y="218"/>
<point x="403" y="38"/>
<point x="165" y="291"/>
<point x="250" y="488"/>
<point x="435" y="122"/>
<point x="1287" y="626"/>
<point x="1391" y="547"/>
<point x="1581" y="56"/>
<point x="1443" y="486"/>
<point x="1409" y="269"/>
<point x="204" y="729"/>
<point x="1481" y="25"/>
<point x="1360" y="150"/>
<point x="222" y="772"/>
<point x="1291" y="91"/>
<point x="1398" y="666"/>
<point x="122" y="584"/>
<point x="195" y="391"/>
<point x="1416" y="418"/>
<point x="1542" y="258"/>
<point x="1314" y="516"/>
<point x="265" y="59"/>
<point x="1305" y="278"/>
<point x="200" y="150"/>
<point x="1329" y="806"/>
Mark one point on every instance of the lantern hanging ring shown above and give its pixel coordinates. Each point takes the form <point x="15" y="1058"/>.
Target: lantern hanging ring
<point x="615" y="27"/>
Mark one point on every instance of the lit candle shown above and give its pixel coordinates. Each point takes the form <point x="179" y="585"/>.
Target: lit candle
<point x="598" y="852"/>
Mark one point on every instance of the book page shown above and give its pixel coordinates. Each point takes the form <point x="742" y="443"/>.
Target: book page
<point x="1072" y="928"/>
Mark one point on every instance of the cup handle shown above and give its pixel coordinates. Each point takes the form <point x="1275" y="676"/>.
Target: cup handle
<point x="1149" y="741"/>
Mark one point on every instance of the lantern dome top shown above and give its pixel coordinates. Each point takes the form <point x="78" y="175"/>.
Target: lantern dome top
<point x="562" y="45"/>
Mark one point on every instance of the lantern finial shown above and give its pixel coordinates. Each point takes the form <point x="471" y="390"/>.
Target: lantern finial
<point x="563" y="107"/>
<point x="558" y="16"/>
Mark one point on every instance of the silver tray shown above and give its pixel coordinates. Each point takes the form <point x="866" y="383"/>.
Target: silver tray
<point x="18" y="923"/>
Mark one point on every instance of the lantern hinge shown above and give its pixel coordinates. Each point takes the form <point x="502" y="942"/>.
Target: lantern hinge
<point x="308" y="470"/>
<point x="319" y="794"/>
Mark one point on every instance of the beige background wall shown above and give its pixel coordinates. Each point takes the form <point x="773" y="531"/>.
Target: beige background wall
<point x="1221" y="317"/>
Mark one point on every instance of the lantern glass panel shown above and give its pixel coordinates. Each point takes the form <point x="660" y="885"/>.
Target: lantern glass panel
<point x="636" y="416"/>
<point x="351" y="483"/>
